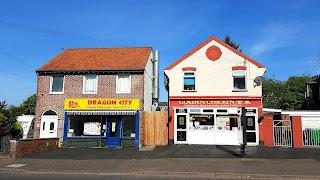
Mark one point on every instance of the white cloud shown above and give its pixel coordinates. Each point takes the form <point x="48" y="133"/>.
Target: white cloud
<point x="274" y="36"/>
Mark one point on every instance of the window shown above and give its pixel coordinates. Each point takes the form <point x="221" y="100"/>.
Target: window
<point x="129" y="126"/>
<point x="90" y="82"/>
<point x="239" y="79"/>
<point x="86" y="125"/>
<point x="123" y="84"/>
<point x="182" y="120"/>
<point x="56" y="86"/>
<point x="189" y="81"/>
<point x="52" y="126"/>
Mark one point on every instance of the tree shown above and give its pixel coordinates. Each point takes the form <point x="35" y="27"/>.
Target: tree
<point x="8" y="121"/>
<point x="232" y="43"/>
<point x="4" y="126"/>
<point x="29" y="105"/>
<point x="272" y="91"/>
<point x="287" y="95"/>
<point x="295" y="99"/>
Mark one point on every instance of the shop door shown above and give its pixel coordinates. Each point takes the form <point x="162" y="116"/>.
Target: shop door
<point x="49" y="126"/>
<point x="113" y="132"/>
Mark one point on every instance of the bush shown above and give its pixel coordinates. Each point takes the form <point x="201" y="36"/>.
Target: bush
<point x="17" y="130"/>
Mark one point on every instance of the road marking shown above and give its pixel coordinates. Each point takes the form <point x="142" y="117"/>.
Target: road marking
<point x="16" y="165"/>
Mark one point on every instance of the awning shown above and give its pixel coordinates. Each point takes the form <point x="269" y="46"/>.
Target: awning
<point x="101" y="112"/>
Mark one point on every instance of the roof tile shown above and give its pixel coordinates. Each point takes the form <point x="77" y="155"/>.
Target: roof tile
<point x="99" y="59"/>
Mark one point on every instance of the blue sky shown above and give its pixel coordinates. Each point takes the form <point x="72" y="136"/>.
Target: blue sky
<point x="282" y="35"/>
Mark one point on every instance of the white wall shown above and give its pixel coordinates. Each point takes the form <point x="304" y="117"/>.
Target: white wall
<point x="148" y="78"/>
<point x="214" y="78"/>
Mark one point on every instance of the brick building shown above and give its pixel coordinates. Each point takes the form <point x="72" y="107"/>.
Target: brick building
<point x="96" y="94"/>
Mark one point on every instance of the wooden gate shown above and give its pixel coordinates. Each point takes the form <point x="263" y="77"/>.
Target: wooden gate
<point x="155" y="130"/>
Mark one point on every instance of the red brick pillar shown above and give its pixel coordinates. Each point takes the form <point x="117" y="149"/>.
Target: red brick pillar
<point x="297" y="131"/>
<point x="267" y="130"/>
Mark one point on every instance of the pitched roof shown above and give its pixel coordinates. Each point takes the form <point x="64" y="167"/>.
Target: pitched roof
<point x="213" y="38"/>
<point x="99" y="59"/>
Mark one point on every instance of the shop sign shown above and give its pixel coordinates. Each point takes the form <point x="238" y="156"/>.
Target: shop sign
<point x="100" y="104"/>
<point x="217" y="103"/>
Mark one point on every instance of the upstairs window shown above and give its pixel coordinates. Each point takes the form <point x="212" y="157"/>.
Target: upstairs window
<point x="90" y="82"/>
<point x="56" y="84"/>
<point x="189" y="81"/>
<point x="239" y="80"/>
<point x="123" y="83"/>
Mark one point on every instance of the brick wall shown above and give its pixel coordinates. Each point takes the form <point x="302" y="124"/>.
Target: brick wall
<point x="73" y="87"/>
<point x="20" y="148"/>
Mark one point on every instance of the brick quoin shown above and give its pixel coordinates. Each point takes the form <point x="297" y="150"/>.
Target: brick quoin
<point x="73" y="88"/>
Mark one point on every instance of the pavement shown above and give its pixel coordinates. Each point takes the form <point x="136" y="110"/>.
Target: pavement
<point x="175" y="160"/>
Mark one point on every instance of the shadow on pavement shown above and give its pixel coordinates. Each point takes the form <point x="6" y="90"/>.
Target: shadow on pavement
<point x="233" y="153"/>
<point x="179" y="151"/>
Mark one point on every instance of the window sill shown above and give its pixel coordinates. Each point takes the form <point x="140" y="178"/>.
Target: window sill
<point x="239" y="90"/>
<point x="189" y="90"/>
<point x="56" y="93"/>
<point x="89" y="92"/>
<point x="123" y="92"/>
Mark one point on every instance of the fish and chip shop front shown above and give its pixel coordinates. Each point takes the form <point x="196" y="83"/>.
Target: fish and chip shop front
<point x="214" y="121"/>
<point x="101" y="122"/>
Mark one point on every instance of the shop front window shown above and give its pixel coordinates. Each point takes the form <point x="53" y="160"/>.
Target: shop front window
<point x="227" y="123"/>
<point x="201" y="122"/>
<point x="87" y="126"/>
<point x="129" y="128"/>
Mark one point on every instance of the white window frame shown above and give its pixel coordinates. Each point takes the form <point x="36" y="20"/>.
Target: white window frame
<point x="239" y="74"/>
<point x="51" y="81"/>
<point x="194" y="76"/>
<point x="84" y="82"/>
<point x="117" y="82"/>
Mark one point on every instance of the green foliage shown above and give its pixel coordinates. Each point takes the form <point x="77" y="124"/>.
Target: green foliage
<point x="231" y="43"/>
<point x="8" y="115"/>
<point x="29" y="105"/>
<point x="4" y="126"/>
<point x="273" y="92"/>
<point x="16" y="130"/>
<point x="287" y="95"/>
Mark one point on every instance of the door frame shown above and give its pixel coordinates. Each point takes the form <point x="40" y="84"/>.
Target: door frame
<point x="45" y="130"/>
<point x="117" y="139"/>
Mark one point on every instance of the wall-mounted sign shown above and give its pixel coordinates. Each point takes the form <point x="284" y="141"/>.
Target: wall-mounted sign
<point x="101" y="104"/>
<point x="217" y="103"/>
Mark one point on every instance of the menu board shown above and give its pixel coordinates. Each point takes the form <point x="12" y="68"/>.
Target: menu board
<point x="92" y="128"/>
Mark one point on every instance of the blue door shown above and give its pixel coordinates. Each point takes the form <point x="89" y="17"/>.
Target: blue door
<point x="113" y="131"/>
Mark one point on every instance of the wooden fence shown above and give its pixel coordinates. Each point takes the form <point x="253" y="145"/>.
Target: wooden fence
<point x="155" y="130"/>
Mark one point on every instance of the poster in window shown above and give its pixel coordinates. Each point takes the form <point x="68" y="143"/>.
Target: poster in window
<point x="181" y="135"/>
<point x="91" y="128"/>
<point x="223" y="123"/>
<point x="251" y="125"/>
<point x="181" y="122"/>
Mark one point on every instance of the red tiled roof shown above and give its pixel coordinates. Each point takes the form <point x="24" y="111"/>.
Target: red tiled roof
<point x="99" y="59"/>
<point x="213" y="38"/>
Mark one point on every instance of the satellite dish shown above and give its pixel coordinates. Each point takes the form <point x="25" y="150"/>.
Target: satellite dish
<point x="258" y="81"/>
